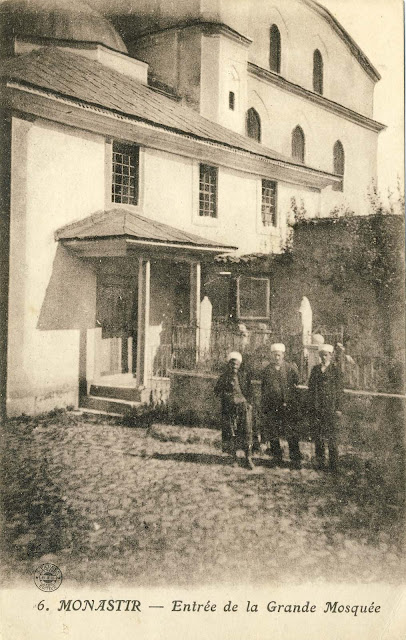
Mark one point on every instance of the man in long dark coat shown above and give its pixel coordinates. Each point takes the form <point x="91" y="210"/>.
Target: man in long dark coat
<point x="279" y="402"/>
<point x="325" y="398"/>
<point x="234" y="387"/>
<point x="246" y="371"/>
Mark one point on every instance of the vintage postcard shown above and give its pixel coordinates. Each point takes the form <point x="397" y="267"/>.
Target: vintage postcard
<point x="202" y="320"/>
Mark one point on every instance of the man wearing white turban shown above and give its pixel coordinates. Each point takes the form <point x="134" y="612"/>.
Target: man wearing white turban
<point x="325" y="398"/>
<point x="279" y="382"/>
<point x="234" y="387"/>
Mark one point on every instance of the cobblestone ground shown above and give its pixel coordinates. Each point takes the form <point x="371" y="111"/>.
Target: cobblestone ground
<point x="109" y="503"/>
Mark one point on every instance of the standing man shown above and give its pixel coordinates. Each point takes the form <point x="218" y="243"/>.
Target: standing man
<point x="279" y="382"/>
<point x="235" y="391"/>
<point x="247" y="371"/>
<point x="325" y="405"/>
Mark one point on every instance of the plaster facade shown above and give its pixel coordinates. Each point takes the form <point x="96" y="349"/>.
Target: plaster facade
<point x="221" y="60"/>
<point x="281" y="111"/>
<point x="61" y="172"/>
<point x="58" y="176"/>
<point x="253" y="19"/>
<point x="238" y="222"/>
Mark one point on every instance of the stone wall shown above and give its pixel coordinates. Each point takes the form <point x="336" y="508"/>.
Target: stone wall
<point x="370" y="420"/>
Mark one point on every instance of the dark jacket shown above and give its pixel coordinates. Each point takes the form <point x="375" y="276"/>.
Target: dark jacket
<point x="279" y="387"/>
<point x="224" y="388"/>
<point x="325" y="395"/>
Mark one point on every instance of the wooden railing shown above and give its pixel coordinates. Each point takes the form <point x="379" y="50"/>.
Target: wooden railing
<point x="205" y="351"/>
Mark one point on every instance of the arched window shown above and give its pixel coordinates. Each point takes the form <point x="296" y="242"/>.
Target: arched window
<point x="339" y="161"/>
<point x="231" y="100"/>
<point x="275" y="49"/>
<point x="253" y="125"/>
<point x="298" y="144"/>
<point x="317" y="72"/>
<point x="233" y="83"/>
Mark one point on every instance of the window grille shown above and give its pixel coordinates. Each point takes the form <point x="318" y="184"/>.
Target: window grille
<point x="253" y="125"/>
<point x="268" y="206"/>
<point x="208" y="191"/>
<point x="317" y="72"/>
<point x="275" y="49"/>
<point x="125" y="177"/>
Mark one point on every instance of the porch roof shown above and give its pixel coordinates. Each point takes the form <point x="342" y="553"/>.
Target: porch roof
<point x="119" y="231"/>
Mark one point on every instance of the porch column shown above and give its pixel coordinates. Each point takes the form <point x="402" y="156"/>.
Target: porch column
<point x="195" y="294"/>
<point x="194" y="313"/>
<point x="143" y="356"/>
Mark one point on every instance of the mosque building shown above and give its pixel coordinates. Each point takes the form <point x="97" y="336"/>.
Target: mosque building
<point x="142" y="140"/>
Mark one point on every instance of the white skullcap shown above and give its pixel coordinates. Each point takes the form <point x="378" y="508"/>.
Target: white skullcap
<point x="326" y="348"/>
<point x="234" y="355"/>
<point x="278" y="346"/>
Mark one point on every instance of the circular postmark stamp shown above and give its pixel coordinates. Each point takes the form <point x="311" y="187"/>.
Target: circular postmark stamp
<point x="48" y="577"/>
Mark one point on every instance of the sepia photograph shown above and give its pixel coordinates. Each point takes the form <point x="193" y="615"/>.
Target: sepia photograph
<point x="202" y="319"/>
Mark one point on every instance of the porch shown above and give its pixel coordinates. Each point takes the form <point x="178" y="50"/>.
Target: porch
<point x="147" y="280"/>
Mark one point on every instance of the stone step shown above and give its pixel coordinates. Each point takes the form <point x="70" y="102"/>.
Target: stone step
<point x="96" y="412"/>
<point x="131" y="394"/>
<point x="108" y="405"/>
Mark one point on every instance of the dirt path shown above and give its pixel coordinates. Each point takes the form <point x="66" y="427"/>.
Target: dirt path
<point x="111" y="503"/>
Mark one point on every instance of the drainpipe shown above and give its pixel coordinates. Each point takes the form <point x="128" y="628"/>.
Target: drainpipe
<point x="5" y="202"/>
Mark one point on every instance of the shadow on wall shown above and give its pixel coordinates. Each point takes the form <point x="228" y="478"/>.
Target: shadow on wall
<point x="70" y="298"/>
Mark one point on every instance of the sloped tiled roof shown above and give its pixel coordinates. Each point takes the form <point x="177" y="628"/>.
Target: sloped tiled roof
<point x="72" y="75"/>
<point x="124" y="223"/>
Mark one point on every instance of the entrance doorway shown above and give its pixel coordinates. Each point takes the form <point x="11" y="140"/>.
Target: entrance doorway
<point x="117" y="306"/>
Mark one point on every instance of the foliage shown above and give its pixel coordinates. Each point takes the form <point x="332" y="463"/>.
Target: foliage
<point x="297" y="211"/>
<point x="369" y="246"/>
<point x="352" y="270"/>
<point x="144" y="415"/>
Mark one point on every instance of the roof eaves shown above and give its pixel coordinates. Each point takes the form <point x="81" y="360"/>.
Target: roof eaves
<point x="345" y="36"/>
<point x="72" y="44"/>
<point x="117" y="222"/>
<point x="147" y="242"/>
<point x="209" y="27"/>
<point x="321" y="100"/>
<point x="241" y="259"/>
<point x="18" y="83"/>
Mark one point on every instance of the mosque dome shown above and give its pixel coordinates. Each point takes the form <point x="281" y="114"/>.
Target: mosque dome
<point x="71" y="20"/>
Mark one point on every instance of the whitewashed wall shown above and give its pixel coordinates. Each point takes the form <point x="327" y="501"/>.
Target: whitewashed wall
<point x="238" y="222"/>
<point x="303" y="31"/>
<point x="220" y="63"/>
<point x="57" y="177"/>
<point x="281" y="111"/>
<point x="60" y="175"/>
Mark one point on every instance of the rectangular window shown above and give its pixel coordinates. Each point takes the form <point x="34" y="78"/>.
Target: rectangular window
<point x="220" y="290"/>
<point x="268" y="204"/>
<point x="208" y="191"/>
<point x="124" y="188"/>
<point x="253" y="298"/>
